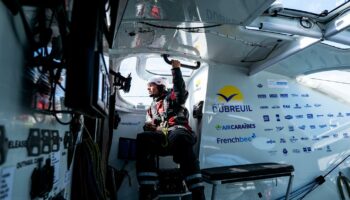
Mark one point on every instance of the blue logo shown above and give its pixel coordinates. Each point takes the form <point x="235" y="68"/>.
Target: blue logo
<point x="268" y="129"/>
<point x="282" y="140"/>
<point x="262" y="96"/>
<point x="335" y="135"/>
<point x="304" y="138"/>
<point x="299" y="116"/>
<point x="347" y="114"/>
<point x="286" y="106"/>
<point x="333" y="125"/>
<point x="278" y="117"/>
<point x="285" y="151"/>
<point x="288" y="117"/>
<point x="293" y="139"/>
<point x="270" y="141"/>
<point x="345" y="135"/>
<point x="310" y="116"/>
<point x="330" y="115"/>
<point x="307" y="106"/>
<point x="312" y="126"/>
<point x="284" y="95"/>
<point x="322" y="125"/>
<point x="328" y="148"/>
<point x="304" y="95"/>
<point x="275" y="107"/>
<point x="294" y="95"/>
<point x="273" y="95"/>
<point x="259" y="85"/>
<point x="279" y="128"/>
<point x="307" y="149"/>
<point x="264" y="107"/>
<point x="302" y="127"/>
<point x="296" y="150"/>
<point x="340" y="115"/>
<point x="319" y="115"/>
<point x="317" y="105"/>
<point x="297" y="106"/>
<point x="266" y="118"/>
<point x="291" y="128"/>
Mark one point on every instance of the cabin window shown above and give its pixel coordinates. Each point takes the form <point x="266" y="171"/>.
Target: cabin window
<point x="157" y="66"/>
<point x="138" y="95"/>
<point x="313" y="6"/>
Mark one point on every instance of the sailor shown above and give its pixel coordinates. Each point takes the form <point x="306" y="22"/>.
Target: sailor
<point x="167" y="132"/>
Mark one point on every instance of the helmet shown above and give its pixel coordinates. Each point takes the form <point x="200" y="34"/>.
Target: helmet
<point x="158" y="80"/>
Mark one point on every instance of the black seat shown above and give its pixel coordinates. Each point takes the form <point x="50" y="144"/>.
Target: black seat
<point x="247" y="172"/>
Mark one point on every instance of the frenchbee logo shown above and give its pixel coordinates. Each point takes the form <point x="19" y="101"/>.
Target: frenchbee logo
<point x="230" y="99"/>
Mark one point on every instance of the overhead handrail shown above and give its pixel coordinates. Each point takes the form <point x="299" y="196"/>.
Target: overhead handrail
<point x="166" y="59"/>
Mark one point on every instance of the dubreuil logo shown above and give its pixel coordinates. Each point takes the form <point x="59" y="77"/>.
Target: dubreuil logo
<point x="229" y="100"/>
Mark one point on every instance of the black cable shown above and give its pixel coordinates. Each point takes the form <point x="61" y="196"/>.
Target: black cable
<point x="180" y="28"/>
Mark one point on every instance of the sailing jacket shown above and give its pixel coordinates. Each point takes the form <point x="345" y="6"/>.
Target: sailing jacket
<point x="169" y="106"/>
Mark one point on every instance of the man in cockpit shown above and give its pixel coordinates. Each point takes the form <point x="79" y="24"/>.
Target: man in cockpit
<point x="167" y="132"/>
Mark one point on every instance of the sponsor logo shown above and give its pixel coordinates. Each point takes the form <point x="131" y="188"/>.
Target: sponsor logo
<point x="285" y="151"/>
<point x="335" y="135"/>
<point x="347" y="114"/>
<point x="278" y="117"/>
<point x="286" y="106"/>
<point x="304" y="138"/>
<point x="225" y="96"/>
<point x="340" y="115"/>
<point x="266" y="118"/>
<point x="297" y="106"/>
<point x="293" y="139"/>
<point x="307" y="149"/>
<point x="296" y="150"/>
<point x="268" y="129"/>
<point x="319" y="115"/>
<point x="322" y="125"/>
<point x="299" y="116"/>
<point x="304" y="95"/>
<point x="330" y="115"/>
<point x="328" y="148"/>
<point x="234" y="140"/>
<point x="283" y="141"/>
<point x="234" y="127"/>
<point x="270" y="141"/>
<point x="294" y="95"/>
<point x="260" y="85"/>
<point x="264" y="107"/>
<point x="291" y="128"/>
<point x="275" y="107"/>
<point x="307" y="106"/>
<point x="288" y="117"/>
<point x="279" y="128"/>
<point x="262" y="96"/>
<point x="309" y="116"/>
<point x="317" y="105"/>
<point x="345" y="135"/>
<point x="312" y="127"/>
<point x="284" y="95"/>
<point x="273" y="95"/>
<point x="333" y="125"/>
<point x="302" y="127"/>
<point x="229" y="93"/>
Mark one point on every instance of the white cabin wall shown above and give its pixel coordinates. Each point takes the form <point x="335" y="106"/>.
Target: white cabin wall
<point x="313" y="150"/>
<point x="16" y="171"/>
<point x="130" y="125"/>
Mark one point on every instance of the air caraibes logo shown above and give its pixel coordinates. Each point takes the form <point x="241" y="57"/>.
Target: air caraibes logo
<point x="229" y="93"/>
<point x="230" y="99"/>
